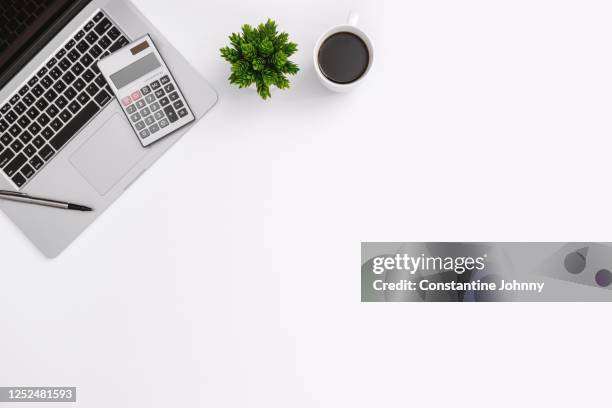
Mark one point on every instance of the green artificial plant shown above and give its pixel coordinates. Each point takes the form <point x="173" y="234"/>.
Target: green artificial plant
<point x="260" y="55"/>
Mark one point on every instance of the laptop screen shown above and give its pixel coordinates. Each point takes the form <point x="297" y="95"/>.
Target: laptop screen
<point x="25" y="27"/>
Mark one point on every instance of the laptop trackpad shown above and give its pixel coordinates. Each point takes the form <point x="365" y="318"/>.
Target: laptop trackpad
<point x="108" y="155"/>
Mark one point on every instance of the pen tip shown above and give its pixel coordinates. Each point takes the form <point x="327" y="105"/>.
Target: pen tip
<point x="79" y="207"/>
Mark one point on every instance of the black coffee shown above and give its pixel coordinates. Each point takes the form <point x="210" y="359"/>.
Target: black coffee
<point x="343" y="58"/>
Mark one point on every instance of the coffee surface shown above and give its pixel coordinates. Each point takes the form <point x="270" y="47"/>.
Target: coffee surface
<point x="343" y="57"/>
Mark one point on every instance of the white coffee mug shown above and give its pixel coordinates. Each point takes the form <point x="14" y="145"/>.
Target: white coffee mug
<point x="349" y="27"/>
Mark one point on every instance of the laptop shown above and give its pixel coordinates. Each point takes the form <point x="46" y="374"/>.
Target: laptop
<point x="62" y="133"/>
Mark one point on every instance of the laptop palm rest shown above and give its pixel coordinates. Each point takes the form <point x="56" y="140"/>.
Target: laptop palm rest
<point x="106" y="157"/>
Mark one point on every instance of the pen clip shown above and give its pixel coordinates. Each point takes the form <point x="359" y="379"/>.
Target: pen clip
<point x="13" y="193"/>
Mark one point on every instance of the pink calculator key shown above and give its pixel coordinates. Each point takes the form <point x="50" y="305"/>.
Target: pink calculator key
<point x="126" y="101"/>
<point x="136" y="95"/>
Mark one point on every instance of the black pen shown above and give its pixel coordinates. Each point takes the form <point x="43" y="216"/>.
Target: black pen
<point x="24" y="198"/>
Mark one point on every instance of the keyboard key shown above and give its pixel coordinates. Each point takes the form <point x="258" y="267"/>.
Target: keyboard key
<point x="46" y="153"/>
<point x="19" y="180"/>
<point x="15" y="164"/>
<point x="27" y="171"/>
<point x="25" y="137"/>
<point x="43" y="119"/>
<point x="174" y="96"/>
<point x="70" y="44"/>
<point x="178" y="104"/>
<point x="104" y="42"/>
<point x="101" y="82"/>
<point x="89" y="26"/>
<point x="145" y="112"/>
<point x="159" y="93"/>
<point x="159" y="114"/>
<point x="14" y="130"/>
<point x="60" y="54"/>
<point x="74" y="55"/>
<point x="74" y="125"/>
<point x="95" y="51"/>
<point x="52" y="111"/>
<point x="42" y="72"/>
<point x="68" y="77"/>
<point x="154" y="128"/>
<point x="3" y="125"/>
<point x="164" y="80"/>
<point x="46" y="81"/>
<point x="92" y="89"/>
<point x="163" y="123"/>
<point x="113" y="33"/>
<point x="74" y="106"/>
<point x="135" y="117"/>
<point x="56" y="124"/>
<point x="77" y="69"/>
<point x="131" y="109"/>
<point x="88" y="75"/>
<point x="64" y="64"/>
<point x="14" y="99"/>
<point x="98" y="16"/>
<point x="30" y="150"/>
<point x="92" y="37"/>
<point x="34" y="128"/>
<point x="140" y="125"/>
<point x="28" y="99"/>
<point x="6" y="139"/>
<point x="70" y="93"/>
<point x="42" y="104"/>
<point x="6" y="156"/>
<point x="145" y="90"/>
<point x="39" y="142"/>
<point x="149" y="120"/>
<point x="33" y="112"/>
<point x="83" y="46"/>
<point x="51" y="63"/>
<point x="5" y="108"/>
<point x="102" y="26"/>
<point x="61" y="102"/>
<point x="169" y="88"/>
<point x="136" y="95"/>
<point x="164" y="101"/>
<point x="171" y="114"/>
<point x="47" y="133"/>
<point x="144" y="133"/>
<point x="79" y="35"/>
<point x="150" y="98"/>
<point x="33" y="80"/>
<point x="154" y="106"/>
<point x="20" y="108"/>
<point x="24" y="121"/>
<point x="103" y="97"/>
<point x="24" y="90"/>
<point x="83" y="98"/>
<point x="125" y="101"/>
<point x="16" y="145"/>
<point x="65" y="115"/>
<point x="36" y="162"/>
<point x="55" y="73"/>
<point x="11" y="117"/>
<point x="59" y="87"/>
<point x="86" y="60"/>
<point x="140" y="104"/>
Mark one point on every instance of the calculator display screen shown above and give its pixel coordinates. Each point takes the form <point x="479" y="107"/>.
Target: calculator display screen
<point x="135" y="70"/>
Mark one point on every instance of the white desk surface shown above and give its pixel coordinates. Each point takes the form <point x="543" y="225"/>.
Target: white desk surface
<point x="229" y="274"/>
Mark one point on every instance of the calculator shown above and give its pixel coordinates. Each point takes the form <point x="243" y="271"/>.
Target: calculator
<point x="146" y="90"/>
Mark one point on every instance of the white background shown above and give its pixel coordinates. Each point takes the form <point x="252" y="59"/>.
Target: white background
<point x="481" y="120"/>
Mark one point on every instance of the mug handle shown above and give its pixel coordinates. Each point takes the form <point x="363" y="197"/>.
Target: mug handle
<point x="353" y="18"/>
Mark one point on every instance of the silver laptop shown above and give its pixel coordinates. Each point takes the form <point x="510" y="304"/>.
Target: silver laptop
<point x="62" y="134"/>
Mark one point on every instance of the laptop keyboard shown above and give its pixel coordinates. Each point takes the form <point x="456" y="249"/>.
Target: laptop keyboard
<point x="65" y="93"/>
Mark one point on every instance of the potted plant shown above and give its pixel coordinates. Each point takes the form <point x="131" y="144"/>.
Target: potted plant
<point x="259" y="56"/>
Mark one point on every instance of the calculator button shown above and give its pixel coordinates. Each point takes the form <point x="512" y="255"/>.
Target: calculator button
<point x="135" y="117"/>
<point x="145" y="90"/>
<point x="144" y="133"/>
<point x="154" y="106"/>
<point x="140" y="104"/>
<point x="163" y="123"/>
<point x="155" y="85"/>
<point x="171" y="114"/>
<point x="150" y="98"/>
<point x="145" y="112"/>
<point x="164" y="79"/>
<point x="131" y="109"/>
<point x="154" y="128"/>
<point x="136" y="95"/>
<point x="149" y="120"/>
<point x="159" y="114"/>
<point x="174" y="96"/>
<point x="126" y="101"/>
<point x="182" y="112"/>
<point x="169" y="88"/>
<point x="159" y="93"/>
<point x="178" y="104"/>
<point x="164" y="101"/>
<point x="140" y="125"/>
